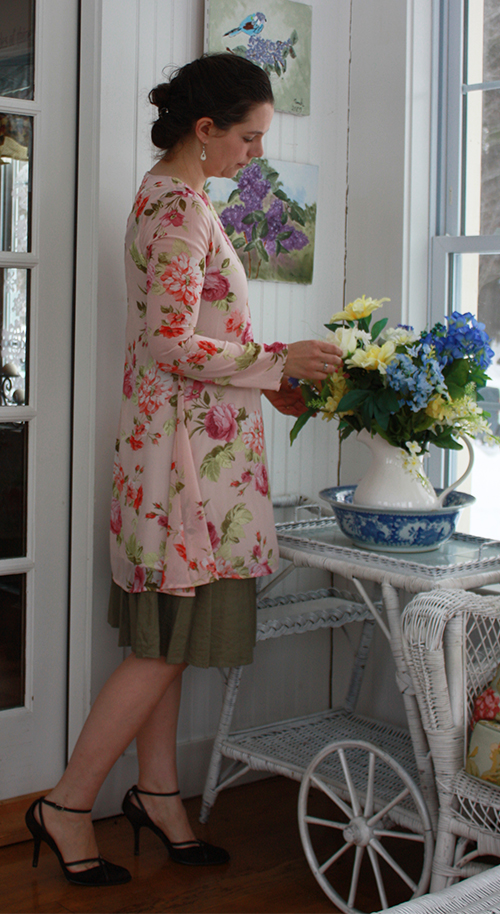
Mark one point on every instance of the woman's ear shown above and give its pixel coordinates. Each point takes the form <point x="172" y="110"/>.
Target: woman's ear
<point x="203" y="128"/>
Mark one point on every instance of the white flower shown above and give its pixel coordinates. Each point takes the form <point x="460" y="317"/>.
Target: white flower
<point x="401" y="336"/>
<point x="347" y="338"/>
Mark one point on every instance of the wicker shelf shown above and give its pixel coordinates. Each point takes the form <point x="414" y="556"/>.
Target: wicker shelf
<point x="287" y="747"/>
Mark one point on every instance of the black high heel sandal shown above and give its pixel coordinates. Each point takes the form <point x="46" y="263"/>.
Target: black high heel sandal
<point x="190" y="853"/>
<point x="103" y="873"/>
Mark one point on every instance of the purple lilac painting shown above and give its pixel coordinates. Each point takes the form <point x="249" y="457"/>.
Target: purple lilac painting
<point x="269" y="212"/>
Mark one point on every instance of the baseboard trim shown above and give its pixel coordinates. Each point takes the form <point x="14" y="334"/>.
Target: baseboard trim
<point x="12" y="826"/>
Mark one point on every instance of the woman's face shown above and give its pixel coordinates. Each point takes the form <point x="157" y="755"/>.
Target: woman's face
<point x="228" y="151"/>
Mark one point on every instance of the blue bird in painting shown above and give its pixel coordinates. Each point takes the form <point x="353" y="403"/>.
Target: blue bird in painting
<point x="252" y="25"/>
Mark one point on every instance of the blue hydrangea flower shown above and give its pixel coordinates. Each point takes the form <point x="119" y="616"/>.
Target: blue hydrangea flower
<point x="464" y="336"/>
<point x="416" y="383"/>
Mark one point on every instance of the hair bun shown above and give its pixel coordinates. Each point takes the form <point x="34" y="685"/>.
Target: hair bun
<point x="223" y="87"/>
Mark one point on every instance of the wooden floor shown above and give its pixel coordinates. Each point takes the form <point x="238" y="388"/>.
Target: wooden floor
<point x="268" y="871"/>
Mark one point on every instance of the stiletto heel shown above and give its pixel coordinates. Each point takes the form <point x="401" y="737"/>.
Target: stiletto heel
<point x="137" y="832"/>
<point x="190" y="853"/>
<point x="36" y="851"/>
<point x="103" y="873"/>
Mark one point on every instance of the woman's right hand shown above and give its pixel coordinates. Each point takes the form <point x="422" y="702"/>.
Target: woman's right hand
<point x="312" y="360"/>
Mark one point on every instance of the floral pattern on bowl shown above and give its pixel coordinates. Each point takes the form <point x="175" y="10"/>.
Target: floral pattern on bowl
<point x="395" y="529"/>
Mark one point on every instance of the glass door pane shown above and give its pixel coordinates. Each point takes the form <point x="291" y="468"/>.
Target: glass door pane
<point x="17" y="37"/>
<point x="13" y="489"/>
<point x="14" y="298"/>
<point x="12" y="628"/>
<point x="15" y="182"/>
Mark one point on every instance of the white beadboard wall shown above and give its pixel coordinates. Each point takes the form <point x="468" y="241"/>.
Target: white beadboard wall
<point x="139" y="38"/>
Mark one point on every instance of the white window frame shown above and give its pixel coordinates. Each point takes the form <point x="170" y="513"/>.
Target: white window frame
<point x="449" y="239"/>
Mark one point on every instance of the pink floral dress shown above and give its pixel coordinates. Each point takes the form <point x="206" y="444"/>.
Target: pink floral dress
<point x="191" y="501"/>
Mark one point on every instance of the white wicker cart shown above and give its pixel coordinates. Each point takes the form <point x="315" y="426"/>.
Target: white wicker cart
<point x="366" y="785"/>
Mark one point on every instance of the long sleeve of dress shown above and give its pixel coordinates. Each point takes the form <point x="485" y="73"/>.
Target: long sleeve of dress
<point x="182" y="274"/>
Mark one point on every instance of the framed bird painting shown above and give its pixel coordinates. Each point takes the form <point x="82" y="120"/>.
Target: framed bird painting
<point x="276" y="35"/>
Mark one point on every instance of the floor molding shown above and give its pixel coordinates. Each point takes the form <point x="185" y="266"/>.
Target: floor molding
<point x="12" y="811"/>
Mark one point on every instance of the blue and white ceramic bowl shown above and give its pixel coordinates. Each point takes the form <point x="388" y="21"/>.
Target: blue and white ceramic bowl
<point x="395" y="529"/>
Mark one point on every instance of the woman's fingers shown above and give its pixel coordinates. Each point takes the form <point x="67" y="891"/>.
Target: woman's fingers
<point x="312" y="359"/>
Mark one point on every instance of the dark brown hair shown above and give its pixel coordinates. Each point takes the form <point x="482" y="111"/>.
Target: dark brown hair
<point x="224" y="87"/>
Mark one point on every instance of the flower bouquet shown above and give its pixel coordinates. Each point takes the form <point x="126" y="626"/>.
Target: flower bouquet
<point x="412" y="389"/>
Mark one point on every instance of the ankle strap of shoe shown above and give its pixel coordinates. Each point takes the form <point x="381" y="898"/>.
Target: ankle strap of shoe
<point x="62" y="808"/>
<point x="148" y="793"/>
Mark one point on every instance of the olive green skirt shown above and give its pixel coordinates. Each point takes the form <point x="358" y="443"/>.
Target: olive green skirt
<point x="216" y="627"/>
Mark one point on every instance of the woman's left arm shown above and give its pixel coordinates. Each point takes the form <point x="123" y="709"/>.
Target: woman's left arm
<point x="287" y="400"/>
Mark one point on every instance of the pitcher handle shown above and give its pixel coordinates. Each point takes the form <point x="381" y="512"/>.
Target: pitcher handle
<point x="442" y="497"/>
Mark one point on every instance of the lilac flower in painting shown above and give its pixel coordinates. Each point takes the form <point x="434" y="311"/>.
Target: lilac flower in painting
<point x="253" y="187"/>
<point x="264" y="222"/>
<point x="233" y="215"/>
<point x="296" y="241"/>
<point x="270" y="55"/>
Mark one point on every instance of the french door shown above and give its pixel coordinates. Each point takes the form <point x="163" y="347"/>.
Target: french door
<point x="38" y="115"/>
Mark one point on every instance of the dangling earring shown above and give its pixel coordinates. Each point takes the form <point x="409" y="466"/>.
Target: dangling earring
<point x="203" y="156"/>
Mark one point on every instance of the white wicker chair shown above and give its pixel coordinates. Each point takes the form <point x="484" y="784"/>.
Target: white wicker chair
<point x="451" y="642"/>
<point x="477" y="895"/>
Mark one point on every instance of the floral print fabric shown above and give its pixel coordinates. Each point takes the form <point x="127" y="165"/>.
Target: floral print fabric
<point x="191" y="501"/>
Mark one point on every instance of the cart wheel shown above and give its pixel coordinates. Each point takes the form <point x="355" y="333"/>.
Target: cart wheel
<point x="355" y="797"/>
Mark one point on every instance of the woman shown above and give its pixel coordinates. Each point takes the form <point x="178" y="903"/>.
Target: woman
<point x="191" y="523"/>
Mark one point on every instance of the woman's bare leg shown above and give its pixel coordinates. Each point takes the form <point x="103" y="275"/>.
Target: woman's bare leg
<point x="156" y="752"/>
<point x="122" y="707"/>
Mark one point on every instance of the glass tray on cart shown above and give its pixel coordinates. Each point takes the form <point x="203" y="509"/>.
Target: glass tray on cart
<point x="461" y="555"/>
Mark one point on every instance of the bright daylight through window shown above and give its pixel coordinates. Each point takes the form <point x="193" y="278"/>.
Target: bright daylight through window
<point x="466" y="251"/>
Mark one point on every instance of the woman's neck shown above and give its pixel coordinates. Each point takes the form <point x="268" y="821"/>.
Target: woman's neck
<point x="185" y="165"/>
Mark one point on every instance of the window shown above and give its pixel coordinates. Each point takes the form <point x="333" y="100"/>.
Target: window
<point x="466" y="248"/>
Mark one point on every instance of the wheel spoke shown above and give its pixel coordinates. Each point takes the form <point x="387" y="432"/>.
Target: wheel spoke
<point x="328" y="823"/>
<point x="355" y="876"/>
<point x="369" y="786"/>
<point x="392" y="863"/>
<point x="382" y="812"/>
<point x="332" y="795"/>
<point x="408" y="836"/>
<point x="352" y="790"/>
<point x="378" y="876"/>
<point x="324" y="866"/>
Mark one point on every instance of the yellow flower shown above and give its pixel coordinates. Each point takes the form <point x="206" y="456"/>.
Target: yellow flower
<point x="436" y="408"/>
<point x="338" y="387"/>
<point x="359" y="308"/>
<point x="374" y="358"/>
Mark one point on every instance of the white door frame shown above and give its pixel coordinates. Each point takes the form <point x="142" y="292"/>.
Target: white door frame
<point x="85" y="348"/>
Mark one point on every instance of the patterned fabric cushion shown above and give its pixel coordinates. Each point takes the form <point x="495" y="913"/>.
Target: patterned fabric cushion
<point x="483" y="758"/>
